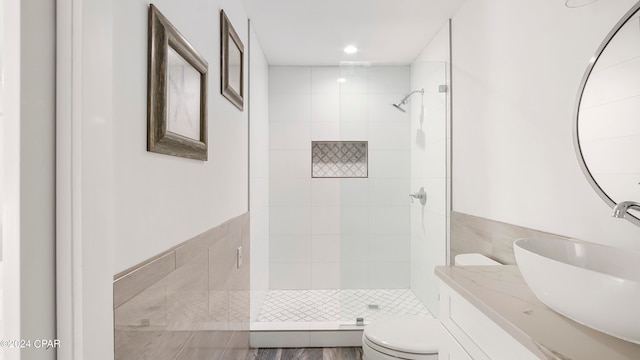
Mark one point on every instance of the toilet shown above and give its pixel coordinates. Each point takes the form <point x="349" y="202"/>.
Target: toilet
<point x="409" y="337"/>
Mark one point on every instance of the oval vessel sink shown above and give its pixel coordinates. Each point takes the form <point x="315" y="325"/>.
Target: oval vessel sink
<point x="595" y="285"/>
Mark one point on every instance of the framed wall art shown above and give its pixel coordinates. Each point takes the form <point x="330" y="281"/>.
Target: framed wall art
<point x="231" y="63"/>
<point x="177" y="92"/>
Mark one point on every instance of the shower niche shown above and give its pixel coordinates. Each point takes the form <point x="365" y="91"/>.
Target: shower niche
<point x="339" y="159"/>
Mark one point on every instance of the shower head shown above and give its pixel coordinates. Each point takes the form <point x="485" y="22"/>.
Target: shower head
<point x="399" y="107"/>
<point x="406" y="99"/>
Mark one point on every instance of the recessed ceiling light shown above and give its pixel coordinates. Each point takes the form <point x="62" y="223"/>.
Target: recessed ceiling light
<point x="341" y="80"/>
<point x="351" y="49"/>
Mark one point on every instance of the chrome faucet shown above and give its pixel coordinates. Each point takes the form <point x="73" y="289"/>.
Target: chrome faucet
<point x="620" y="210"/>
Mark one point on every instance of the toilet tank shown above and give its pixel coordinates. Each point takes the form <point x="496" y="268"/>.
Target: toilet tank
<point x="474" y="259"/>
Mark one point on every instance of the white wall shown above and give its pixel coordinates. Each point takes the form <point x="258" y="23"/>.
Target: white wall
<point x="119" y="204"/>
<point x="516" y="71"/>
<point x="2" y="161"/>
<point x="28" y="170"/>
<point x="331" y="232"/>
<point x="159" y="200"/>
<point x="259" y="174"/>
<point x="429" y="169"/>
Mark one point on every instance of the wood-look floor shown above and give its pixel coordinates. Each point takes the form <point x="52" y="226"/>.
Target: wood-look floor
<point x="340" y="353"/>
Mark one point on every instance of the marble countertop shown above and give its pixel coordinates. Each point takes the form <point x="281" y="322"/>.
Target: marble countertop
<point x="501" y="294"/>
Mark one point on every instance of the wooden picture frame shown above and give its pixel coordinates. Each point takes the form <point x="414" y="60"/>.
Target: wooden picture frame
<point x="231" y="63"/>
<point x="176" y="92"/>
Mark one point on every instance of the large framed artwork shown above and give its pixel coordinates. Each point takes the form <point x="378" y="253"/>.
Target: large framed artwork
<point x="177" y="92"/>
<point x="231" y="63"/>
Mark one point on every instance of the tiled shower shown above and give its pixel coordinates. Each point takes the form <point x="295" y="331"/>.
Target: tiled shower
<point x="340" y="159"/>
<point x="341" y="231"/>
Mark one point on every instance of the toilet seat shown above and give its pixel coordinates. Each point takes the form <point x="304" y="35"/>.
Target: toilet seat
<point x="404" y="337"/>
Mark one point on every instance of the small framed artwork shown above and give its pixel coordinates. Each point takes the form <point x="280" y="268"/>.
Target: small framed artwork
<point x="176" y="94"/>
<point x="231" y="63"/>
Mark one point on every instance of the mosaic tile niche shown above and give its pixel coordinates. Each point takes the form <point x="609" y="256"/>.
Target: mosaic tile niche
<point x="339" y="159"/>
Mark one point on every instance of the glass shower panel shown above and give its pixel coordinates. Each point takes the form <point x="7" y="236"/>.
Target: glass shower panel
<point x="429" y="149"/>
<point x="375" y="212"/>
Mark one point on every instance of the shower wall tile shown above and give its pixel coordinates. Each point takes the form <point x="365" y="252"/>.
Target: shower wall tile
<point x="325" y="107"/>
<point x="324" y="80"/>
<point x="325" y="248"/>
<point x="290" y="275"/>
<point x="389" y="136"/>
<point x="382" y="110"/>
<point x="389" y="248"/>
<point x="290" y="192"/>
<point x="354" y="192"/>
<point x="197" y="307"/>
<point x="290" y="164"/>
<point x="354" y="275"/>
<point x="354" y="248"/>
<point x="354" y="131"/>
<point x="289" y="80"/>
<point x="288" y="135"/>
<point x="354" y="220"/>
<point x="290" y="248"/>
<point x="356" y="80"/>
<point x="325" y="192"/>
<point x="389" y="79"/>
<point x="389" y="275"/>
<point x="436" y="155"/>
<point x="290" y="220"/>
<point x="309" y="104"/>
<point x="321" y="131"/>
<point x="431" y="156"/>
<point x="389" y="164"/>
<point x="325" y="275"/>
<point x="389" y="220"/>
<point x="289" y="108"/>
<point x="354" y="107"/>
<point x="389" y="192"/>
<point x="325" y="220"/>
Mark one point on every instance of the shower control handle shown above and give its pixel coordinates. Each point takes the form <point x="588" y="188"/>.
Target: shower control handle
<point x="421" y="195"/>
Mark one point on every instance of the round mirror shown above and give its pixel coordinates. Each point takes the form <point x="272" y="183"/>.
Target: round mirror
<point x="607" y="122"/>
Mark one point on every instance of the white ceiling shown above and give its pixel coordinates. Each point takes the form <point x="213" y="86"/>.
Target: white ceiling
<point x="315" y="32"/>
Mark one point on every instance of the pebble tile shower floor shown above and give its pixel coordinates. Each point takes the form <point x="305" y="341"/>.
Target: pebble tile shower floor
<point x="338" y="305"/>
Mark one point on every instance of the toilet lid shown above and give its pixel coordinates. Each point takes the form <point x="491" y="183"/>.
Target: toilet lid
<point x="412" y="334"/>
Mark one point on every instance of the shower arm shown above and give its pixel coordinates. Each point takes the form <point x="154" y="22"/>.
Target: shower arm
<point x="404" y="99"/>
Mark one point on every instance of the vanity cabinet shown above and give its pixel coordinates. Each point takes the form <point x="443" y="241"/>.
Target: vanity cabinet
<point x="470" y="335"/>
<point x="488" y="312"/>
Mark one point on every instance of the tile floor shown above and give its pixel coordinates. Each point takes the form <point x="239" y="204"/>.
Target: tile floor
<point x="341" y="353"/>
<point x="338" y="305"/>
